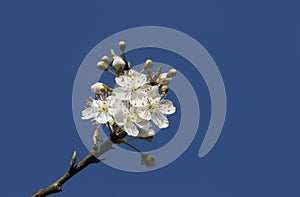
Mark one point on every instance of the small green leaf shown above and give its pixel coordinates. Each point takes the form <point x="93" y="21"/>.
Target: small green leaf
<point x="74" y="156"/>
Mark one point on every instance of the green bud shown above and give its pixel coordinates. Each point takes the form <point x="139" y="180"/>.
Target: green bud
<point x="74" y="157"/>
<point x="164" y="88"/>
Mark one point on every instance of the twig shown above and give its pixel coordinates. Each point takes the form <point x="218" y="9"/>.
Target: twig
<point x="91" y="158"/>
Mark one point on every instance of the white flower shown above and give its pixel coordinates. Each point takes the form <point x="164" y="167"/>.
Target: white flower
<point x="155" y="109"/>
<point x="146" y="93"/>
<point x="98" y="111"/>
<point x="131" y="84"/>
<point x="127" y="117"/>
<point x="163" y="78"/>
<point x="98" y="88"/>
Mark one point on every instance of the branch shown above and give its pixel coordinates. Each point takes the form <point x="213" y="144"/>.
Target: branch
<point x="91" y="158"/>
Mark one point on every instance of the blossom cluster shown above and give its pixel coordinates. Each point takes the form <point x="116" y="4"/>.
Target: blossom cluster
<point x="138" y="100"/>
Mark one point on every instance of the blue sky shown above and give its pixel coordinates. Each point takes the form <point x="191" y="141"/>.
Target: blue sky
<point x="255" y="45"/>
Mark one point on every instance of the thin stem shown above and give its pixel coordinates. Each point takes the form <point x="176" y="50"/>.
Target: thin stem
<point x="142" y="70"/>
<point x="91" y="158"/>
<point x="131" y="139"/>
<point x="108" y="125"/>
<point x="123" y="56"/>
<point x="112" y="72"/>
<point x="131" y="146"/>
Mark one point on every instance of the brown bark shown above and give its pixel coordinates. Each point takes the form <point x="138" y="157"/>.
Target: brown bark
<point x="91" y="158"/>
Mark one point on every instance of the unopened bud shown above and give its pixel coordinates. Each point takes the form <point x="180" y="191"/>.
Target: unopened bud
<point x="113" y="54"/>
<point x="118" y="63"/>
<point x="105" y="59"/>
<point x="148" y="64"/>
<point x="102" y="65"/>
<point x="158" y="71"/>
<point x="122" y="46"/>
<point x="74" y="157"/>
<point x="171" y="73"/>
<point x="98" y="88"/>
<point x="148" y="160"/>
<point x="164" y="88"/>
<point x="147" y="134"/>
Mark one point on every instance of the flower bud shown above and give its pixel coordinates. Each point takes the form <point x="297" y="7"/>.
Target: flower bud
<point x="74" y="156"/>
<point x="163" y="79"/>
<point x="118" y="63"/>
<point x="148" y="64"/>
<point x="98" y="88"/>
<point x="147" y="134"/>
<point x="158" y="71"/>
<point x="122" y="46"/>
<point x="171" y="73"/>
<point x="102" y="65"/>
<point x="164" y="88"/>
<point x="105" y="59"/>
<point x="148" y="160"/>
<point x="113" y="54"/>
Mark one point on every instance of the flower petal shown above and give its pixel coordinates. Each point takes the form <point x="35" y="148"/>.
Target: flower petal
<point x="103" y="117"/>
<point x="137" y="98"/>
<point x="167" y="107"/>
<point x="152" y="92"/>
<point x="145" y="124"/>
<point x="166" y="81"/>
<point x="124" y="81"/>
<point x="122" y="93"/>
<point x="144" y="113"/>
<point x="95" y="104"/>
<point x="88" y="113"/>
<point x="119" y="117"/>
<point x="139" y="80"/>
<point x="160" y="120"/>
<point x="130" y="128"/>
